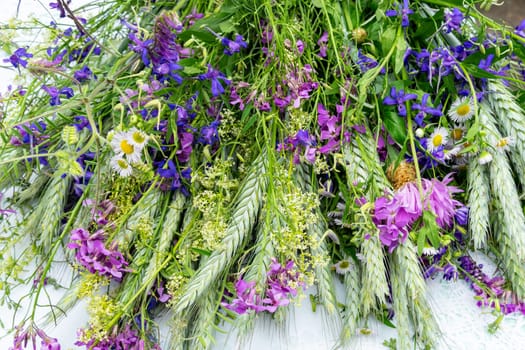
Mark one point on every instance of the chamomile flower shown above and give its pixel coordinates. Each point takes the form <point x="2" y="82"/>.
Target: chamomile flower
<point x="461" y="110"/>
<point x="121" y="166"/>
<point x="138" y="138"/>
<point x="439" y="137"/>
<point x="505" y="143"/>
<point x="343" y="266"/>
<point x="122" y="145"/>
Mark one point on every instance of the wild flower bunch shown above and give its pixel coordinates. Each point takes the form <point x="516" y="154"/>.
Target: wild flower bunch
<point x="211" y="160"/>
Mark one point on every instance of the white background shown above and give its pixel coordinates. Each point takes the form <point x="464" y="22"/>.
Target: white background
<point x="463" y="325"/>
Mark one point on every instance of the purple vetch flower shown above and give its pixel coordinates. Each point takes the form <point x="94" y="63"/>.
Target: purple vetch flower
<point x="399" y="98"/>
<point x="141" y="47"/>
<point x="91" y="253"/>
<point x="30" y="334"/>
<point x="55" y="93"/>
<point x="450" y="272"/>
<point x="18" y="58"/>
<point x="282" y="284"/>
<point x="323" y="45"/>
<point x="118" y="339"/>
<point x="215" y="76"/>
<point x="233" y="46"/>
<point x="453" y="19"/>
<point x="403" y="11"/>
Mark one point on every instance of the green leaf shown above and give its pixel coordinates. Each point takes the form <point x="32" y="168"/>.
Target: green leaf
<point x="395" y="125"/>
<point x="401" y="49"/>
<point x="388" y="38"/>
<point x="478" y="72"/>
<point x="421" y="240"/>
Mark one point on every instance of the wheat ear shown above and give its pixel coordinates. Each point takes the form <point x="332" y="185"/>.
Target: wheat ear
<point x="169" y="228"/>
<point x="425" y="323"/>
<point x="247" y="205"/>
<point x="512" y="220"/>
<point x="205" y="319"/>
<point x="45" y="220"/>
<point x="400" y="303"/>
<point x="478" y="202"/>
<point x="512" y="119"/>
<point x="351" y="314"/>
<point x="323" y="274"/>
<point x="374" y="286"/>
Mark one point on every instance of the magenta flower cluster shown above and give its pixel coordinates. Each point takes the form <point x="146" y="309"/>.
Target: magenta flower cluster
<point x="126" y="339"/>
<point x="91" y="253"/>
<point x="23" y="336"/>
<point x="395" y="215"/>
<point x="281" y="284"/>
<point x="490" y="291"/>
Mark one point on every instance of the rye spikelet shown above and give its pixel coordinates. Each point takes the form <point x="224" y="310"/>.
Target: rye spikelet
<point x="512" y="220"/>
<point x="374" y="285"/>
<point x="426" y="325"/>
<point x="203" y="326"/>
<point x="352" y="287"/>
<point x="512" y="119"/>
<point x="478" y="202"/>
<point x="323" y="274"/>
<point x="244" y="214"/>
<point x="45" y="219"/>
<point x="400" y="302"/>
<point x="170" y="225"/>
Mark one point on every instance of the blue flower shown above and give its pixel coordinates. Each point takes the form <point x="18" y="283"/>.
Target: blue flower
<point x="403" y="11"/>
<point x="55" y="93"/>
<point x="233" y="46"/>
<point x="399" y="98"/>
<point x="453" y="19"/>
<point x="18" y="57"/>
<point x="209" y="134"/>
<point x="83" y="74"/>
<point x="215" y="76"/>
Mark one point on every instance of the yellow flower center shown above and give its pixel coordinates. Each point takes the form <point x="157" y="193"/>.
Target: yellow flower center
<point x="138" y="137"/>
<point x="344" y="264"/>
<point x="126" y="147"/>
<point x="122" y="164"/>
<point x="463" y="110"/>
<point x="437" y="140"/>
<point x="502" y="143"/>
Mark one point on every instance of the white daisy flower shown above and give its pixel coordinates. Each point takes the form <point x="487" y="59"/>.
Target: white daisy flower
<point x="458" y="132"/>
<point x="485" y="157"/>
<point x="343" y="266"/>
<point x="439" y="137"/>
<point x="138" y="138"/>
<point x="123" y="146"/>
<point x="429" y="251"/>
<point x="121" y="166"/>
<point x="505" y="143"/>
<point x="461" y="110"/>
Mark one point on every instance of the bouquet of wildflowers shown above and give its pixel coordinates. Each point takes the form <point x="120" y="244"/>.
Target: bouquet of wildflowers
<point x="209" y="161"/>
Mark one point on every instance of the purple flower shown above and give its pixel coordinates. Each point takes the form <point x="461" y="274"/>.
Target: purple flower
<point x="123" y="339"/>
<point x="83" y="74"/>
<point x="92" y="254"/>
<point x="425" y="109"/>
<point x="399" y="98"/>
<point x="461" y="215"/>
<point x="170" y="175"/>
<point x="520" y="29"/>
<point x="55" y="93"/>
<point x="58" y="5"/>
<point x="403" y="11"/>
<point x="233" y="46"/>
<point x="366" y="63"/>
<point x="141" y="47"/>
<point x="453" y="19"/>
<point x="215" y="76"/>
<point x="322" y="42"/>
<point x="450" y="272"/>
<point x="209" y="134"/>
<point x="18" y="57"/>
<point x="438" y="195"/>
